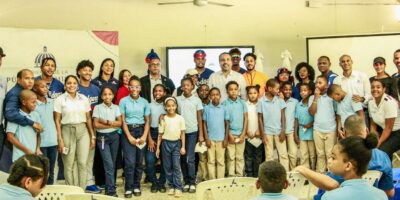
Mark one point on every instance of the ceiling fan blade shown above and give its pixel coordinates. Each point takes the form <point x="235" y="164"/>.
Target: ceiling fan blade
<point x="173" y="3"/>
<point x="219" y="4"/>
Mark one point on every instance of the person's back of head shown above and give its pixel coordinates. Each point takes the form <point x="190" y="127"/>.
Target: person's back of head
<point x="355" y="126"/>
<point x="271" y="177"/>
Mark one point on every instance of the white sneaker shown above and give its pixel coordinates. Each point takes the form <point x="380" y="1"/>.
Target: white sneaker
<point x="171" y="191"/>
<point x="186" y="188"/>
<point x="178" y="193"/>
<point x="192" y="189"/>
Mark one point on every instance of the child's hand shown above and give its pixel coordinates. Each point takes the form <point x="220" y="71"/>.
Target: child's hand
<point x="60" y="146"/>
<point x="282" y="137"/>
<point x="296" y="139"/>
<point x="132" y="140"/>
<point x="231" y="139"/>
<point x="224" y="144"/>
<point x="265" y="140"/>
<point x="241" y="138"/>
<point x="251" y="135"/>
<point x="38" y="127"/>
<point x="158" y="153"/>
<point x="340" y="133"/>
<point x="141" y="140"/>
<point x="38" y="152"/>
<point x="317" y="92"/>
<point x="309" y="125"/>
<point x="92" y="143"/>
<point x="151" y="145"/>
<point x="280" y="95"/>
<point x="161" y="118"/>
<point x="183" y="151"/>
<point x="201" y="139"/>
<point x="208" y="143"/>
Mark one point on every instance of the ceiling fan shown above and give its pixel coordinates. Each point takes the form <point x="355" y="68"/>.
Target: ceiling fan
<point x="320" y="3"/>
<point x="197" y="3"/>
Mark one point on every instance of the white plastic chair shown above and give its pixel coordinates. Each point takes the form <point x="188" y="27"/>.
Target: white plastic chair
<point x="372" y="176"/>
<point x="58" y="192"/>
<point x="89" y="197"/>
<point x="3" y="177"/>
<point x="227" y="188"/>
<point x="298" y="187"/>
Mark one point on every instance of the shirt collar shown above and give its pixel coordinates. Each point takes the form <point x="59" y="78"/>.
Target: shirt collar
<point x="266" y="99"/>
<point x="151" y="78"/>
<point x="108" y="107"/>
<point x="352" y="182"/>
<point x="215" y="106"/>
<point x="233" y="101"/>
<point x="134" y="100"/>
<point x="23" y="113"/>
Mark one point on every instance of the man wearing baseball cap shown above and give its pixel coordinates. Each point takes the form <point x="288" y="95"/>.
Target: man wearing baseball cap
<point x="236" y="57"/>
<point x="200" y="62"/>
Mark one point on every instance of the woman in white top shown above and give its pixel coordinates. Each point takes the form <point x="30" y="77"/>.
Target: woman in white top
<point x="74" y="130"/>
<point x="384" y="113"/>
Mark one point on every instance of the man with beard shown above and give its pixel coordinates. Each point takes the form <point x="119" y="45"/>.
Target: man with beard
<point x="236" y="56"/>
<point x="396" y="76"/>
<point x="253" y="77"/>
<point x="324" y="65"/>
<point x="200" y="62"/>
<point x="48" y="67"/>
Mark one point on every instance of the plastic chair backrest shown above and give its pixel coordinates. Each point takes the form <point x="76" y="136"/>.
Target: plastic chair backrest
<point x="372" y="176"/>
<point x="298" y="186"/>
<point x="227" y="188"/>
<point x="58" y="192"/>
<point x="3" y="177"/>
<point x="89" y="197"/>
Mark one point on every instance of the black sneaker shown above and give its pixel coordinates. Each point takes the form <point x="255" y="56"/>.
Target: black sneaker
<point x="128" y="194"/>
<point x="137" y="192"/>
<point x="146" y="179"/>
<point x="112" y="194"/>
<point x="162" y="189"/>
<point x="154" y="188"/>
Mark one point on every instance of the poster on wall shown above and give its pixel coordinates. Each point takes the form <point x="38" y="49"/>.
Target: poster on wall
<point x="25" y="49"/>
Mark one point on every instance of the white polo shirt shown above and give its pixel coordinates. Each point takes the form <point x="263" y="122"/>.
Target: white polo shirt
<point x="387" y="108"/>
<point x="357" y="84"/>
<point x="218" y="79"/>
<point x="72" y="110"/>
<point x="252" y="117"/>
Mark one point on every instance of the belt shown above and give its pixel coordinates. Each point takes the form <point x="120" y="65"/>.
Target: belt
<point x="135" y="125"/>
<point x="151" y="128"/>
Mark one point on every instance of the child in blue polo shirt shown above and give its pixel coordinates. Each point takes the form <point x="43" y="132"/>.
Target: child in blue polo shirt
<point x="216" y="128"/>
<point x="345" y="106"/>
<point x="190" y="107"/>
<point x="45" y="108"/>
<point x="237" y="112"/>
<point x="322" y="108"/>
<point x="271" y="122"/>
<point x="25" y="139"/>
<point x="203" y="93"/>
<point x="286" y="89"/>
<point x="303" y="129"/>
<point x="135" y="125"/>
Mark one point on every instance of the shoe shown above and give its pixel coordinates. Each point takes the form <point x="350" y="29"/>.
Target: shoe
<point x="112" y="194"/>
<point x="162" y="189"/>
<point x="178" y="193"/>
<point x="154" y="188"/>
<point x="128" y="194"/>
<point x="186" y="188"/>
<point x="101" y="187"/>
<point x="146" y="179"/>
<point x="171" y="191"/>
<point x="137" y="192"/>
<point x="192" y="189"/>
<point x="92" y="189"/>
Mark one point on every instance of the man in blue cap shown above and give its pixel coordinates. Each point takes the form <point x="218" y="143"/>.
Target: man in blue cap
<point x="154" y="77"/>
<point x="200" y="62"/>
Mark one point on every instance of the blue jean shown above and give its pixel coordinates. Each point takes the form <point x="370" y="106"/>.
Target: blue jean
<point x="133" y="158"/>
<point x="187" y="161"/>
<point x="171" y="162"/>
<point x="51" y="154"/>
<point x="151" y="162"/>
<point x="107" y="144"/>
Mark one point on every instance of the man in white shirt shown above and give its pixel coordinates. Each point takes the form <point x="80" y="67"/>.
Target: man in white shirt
<point x="221" y="78"/>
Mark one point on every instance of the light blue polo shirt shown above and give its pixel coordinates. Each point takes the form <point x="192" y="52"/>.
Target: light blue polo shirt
<point x="271" y="111"/>
<point x="303" y="117"/>
<point x="26" y="135"/>
<point x="324" y="118"/>
<point x="11" y="192"/>
<point x="187" y="108"/>
<point x="355" y="189"/>
<point x="236" y="109"/>
<point x="274" y="196"/>
<point x="134" y="110"/>
<point x="215" y="117"/>
<point x="290" y="113"/>
<point x="45" y="110"/>
<point x="102" y="111"/>
<point x="156" y="109"/>
<point x="347" y="107"/>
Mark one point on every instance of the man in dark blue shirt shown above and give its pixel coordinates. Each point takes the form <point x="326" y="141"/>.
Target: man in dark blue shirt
<point x="48" y="67"/>
<point x="200" y="62"/>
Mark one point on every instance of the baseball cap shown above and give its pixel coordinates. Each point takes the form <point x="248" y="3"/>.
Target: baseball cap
<point x="199" y="54"/>
<point x="283" y="70"/>
<point x="191" y="72"/>
<point x="2" y="53"/>
<point x="379" y="60"/>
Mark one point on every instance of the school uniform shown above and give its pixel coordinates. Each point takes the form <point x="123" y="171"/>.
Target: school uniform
<point x="107" y="142"/>
<point x="202" y="173"/>
<point x="307" y="146"/>
<point x="49" y="143"/>
<point x="347" y="107"/>
<point x="274" y="196"/>
<point x="215" y="117"/>
<point x="235" y="161"/>
<point x="171" y="128"/>
<point x="12" y="192"/>
<point x="113" y="83"/>
<point x="355" y="189"/>
<point x="56" y="87"/>
<point x="75" y="135"/>
<point x="135" y="111"/>
<point x="324" y="132"/>
<point x="291" y="144"/>
<point x="271" y="112"/>
<point x="188" y="108"/>
<point x="26" y="135"/>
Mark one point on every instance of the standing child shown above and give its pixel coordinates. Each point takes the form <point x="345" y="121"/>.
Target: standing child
<point x="45" y="108"/>
<point x="272" y="123"/>
<point x="253" y="151"/>
<point x="107" y="120"/>
<point x="203" y="93"/>
<point x="237" y="112"/>
<point x="216" y="131"/>
<point x="324" y="133"/>
<point x="171" y="138"/>
<point x="190" y="107"/>
<point x="291" y="103"/>
<point x="25" y="139"/>
<point x="303" y="129"/>
<point x="135" y="124"/>
<point x="156" y="109"/>
<point x="345" y="106"/>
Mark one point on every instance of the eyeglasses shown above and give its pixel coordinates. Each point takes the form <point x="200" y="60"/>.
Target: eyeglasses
<point x="154" y="64"/>
<point x="134" y="87"/>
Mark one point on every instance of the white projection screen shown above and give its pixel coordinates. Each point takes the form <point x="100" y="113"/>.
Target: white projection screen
<point x="179" y="59"/>
<point x="362" y="48"/>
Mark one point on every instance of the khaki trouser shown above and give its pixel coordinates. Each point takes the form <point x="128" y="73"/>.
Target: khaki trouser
<point x="281" y="147"/>
<point x="202" y="173"/>
<point x="324" y="143"/>
<point x="76" y="139"/>
<point x="90" y="160"/>
<point x="307" y="152"/>
<point x="216" y="160"/>
<point x="235" y="159"/>
<point x="292" y="150"/>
